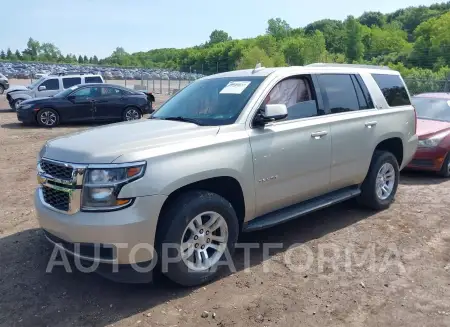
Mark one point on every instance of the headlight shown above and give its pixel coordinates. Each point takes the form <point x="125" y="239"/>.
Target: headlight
<point x="25" y="106"/>
<point x="102" y="185"/>
<point x="433" y="141"/>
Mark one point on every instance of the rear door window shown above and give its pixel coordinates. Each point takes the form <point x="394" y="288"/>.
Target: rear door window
<point x="393" y="89"/>
<point x="93" y="79"/>
<point x="71" y="81"/>
<point x="338" y="93"/>
<point x="51" y="84"/>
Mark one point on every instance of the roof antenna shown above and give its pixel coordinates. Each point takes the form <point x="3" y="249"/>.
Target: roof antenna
<point x="257" y="67"/>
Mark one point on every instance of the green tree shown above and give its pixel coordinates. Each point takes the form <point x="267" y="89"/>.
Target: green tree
<point x="80" y="59"/>
<point x="372" y="18"/>
<point x="218" y="36"/>
<point x="353" y="36"/>
<point x="2" y="55"/>
<point x="95" y="60"/>
<point x="9" y="54"/>
<point x="18" y="55"/>
<point x="278" y="28"/>
<point x="85" y="59"/>
<point x="33" y="49"/>
<point x="49" y="52"/>
<point x="253" y="56"/>
<point x="333" y="31"/>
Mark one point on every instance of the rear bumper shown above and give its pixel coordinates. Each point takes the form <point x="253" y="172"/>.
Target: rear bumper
<point x="409" y="149"/>
<point x="430" y="159"/>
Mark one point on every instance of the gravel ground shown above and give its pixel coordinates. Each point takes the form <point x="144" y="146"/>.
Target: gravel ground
<point x="405" y="283"/>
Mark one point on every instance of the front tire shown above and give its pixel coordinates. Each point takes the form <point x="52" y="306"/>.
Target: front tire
<point x="48" y="118"/>
<point x="203" y="227"/>
<point x="16" y="103"/>
<point x="380" y="186"/>
<point x="132" y="113"/>
<point x="445" y="169"/>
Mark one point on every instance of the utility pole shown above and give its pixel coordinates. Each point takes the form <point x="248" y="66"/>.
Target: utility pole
<point x="217" y="67"/>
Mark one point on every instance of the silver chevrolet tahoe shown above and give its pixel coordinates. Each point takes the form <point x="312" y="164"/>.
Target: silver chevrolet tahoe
<point x="230" y="153"/>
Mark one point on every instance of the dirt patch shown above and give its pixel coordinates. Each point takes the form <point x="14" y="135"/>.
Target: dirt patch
<point x="406" y="284"/>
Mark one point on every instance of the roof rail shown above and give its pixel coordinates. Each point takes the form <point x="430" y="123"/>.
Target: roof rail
<point x="348" y="65"/>
<point x="72" y="73"/>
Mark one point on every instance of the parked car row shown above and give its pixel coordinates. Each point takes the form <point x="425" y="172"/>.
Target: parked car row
<point x="33" y="70"/>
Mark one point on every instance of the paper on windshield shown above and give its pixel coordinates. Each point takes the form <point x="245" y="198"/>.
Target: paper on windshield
<point x="235" y="87"/>
<point x="448" y="102"/>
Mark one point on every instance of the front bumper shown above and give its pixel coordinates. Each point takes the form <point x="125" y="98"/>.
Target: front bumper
<point x="26" y="116"/>
<point x="129" y="232"/>
<point x="429" y="159"/>
<point x="5" y="85"/>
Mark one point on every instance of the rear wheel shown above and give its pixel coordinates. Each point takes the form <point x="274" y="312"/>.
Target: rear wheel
<point x="131" y="113"/>
<point x="445" y="169"/>
<point x="380" y="186"/>
<point x="198" y="230"/>
<point x="47" y="117"/>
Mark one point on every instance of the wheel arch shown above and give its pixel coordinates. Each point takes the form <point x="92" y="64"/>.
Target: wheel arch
<point x="394" y="145"/>
<point x="226" y="186"/>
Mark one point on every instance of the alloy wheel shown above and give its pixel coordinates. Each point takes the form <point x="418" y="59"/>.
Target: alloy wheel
<point x="48" y="118"/>
<point x="204" y="241"/>
<point x="385" y="181"/>
<point x="132" y="114"/>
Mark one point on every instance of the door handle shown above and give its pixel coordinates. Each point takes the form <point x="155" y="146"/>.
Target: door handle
<point x="318" y="135"/>
<point x="369" y="124"/>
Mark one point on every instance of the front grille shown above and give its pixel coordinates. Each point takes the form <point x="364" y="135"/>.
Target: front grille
<point x="57" y="199"/>
<point x="422" y="162"/>
<point x="56" y="170"/>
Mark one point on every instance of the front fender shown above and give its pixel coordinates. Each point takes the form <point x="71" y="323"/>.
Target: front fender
<point x="20" y="95"/>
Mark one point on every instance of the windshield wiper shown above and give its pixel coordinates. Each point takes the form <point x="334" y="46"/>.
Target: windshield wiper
<point x="183" y="119"/>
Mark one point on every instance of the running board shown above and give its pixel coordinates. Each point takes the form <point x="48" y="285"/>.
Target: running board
<point x="301" y="209"/>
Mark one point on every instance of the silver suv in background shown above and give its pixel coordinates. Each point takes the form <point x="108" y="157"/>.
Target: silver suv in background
<point x="230" y="153"/>
<point x="4" y="83"/>
<point x="49" y="85"/>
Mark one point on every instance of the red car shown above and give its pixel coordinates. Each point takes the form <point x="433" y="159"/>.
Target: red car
<point x="433" y="129"/>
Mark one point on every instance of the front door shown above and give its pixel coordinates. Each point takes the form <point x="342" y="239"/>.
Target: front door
<point x="81" y="104"/>
<point x="291" y="158"/>
<point x="48" y="88"/>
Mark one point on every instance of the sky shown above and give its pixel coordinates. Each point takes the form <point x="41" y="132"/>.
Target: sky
<point x="97" y="27"/>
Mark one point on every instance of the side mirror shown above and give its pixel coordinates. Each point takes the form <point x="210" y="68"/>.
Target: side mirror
<point x="271" y="113"/>
<point x="42" y="88"/>
<point x="71" y="98"/>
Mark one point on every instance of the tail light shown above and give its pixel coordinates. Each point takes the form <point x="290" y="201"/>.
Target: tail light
<point x="415" y="120"/>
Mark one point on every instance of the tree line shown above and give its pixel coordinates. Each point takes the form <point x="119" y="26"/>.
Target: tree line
<point x="414" y="40"/>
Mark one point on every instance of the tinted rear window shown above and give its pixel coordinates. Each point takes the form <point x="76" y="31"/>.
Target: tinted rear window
<point x="393" y="89"/>
<point x="71" y="81"/>
<point x="93" y="79"/>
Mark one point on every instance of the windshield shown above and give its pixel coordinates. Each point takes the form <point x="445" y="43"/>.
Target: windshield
<point x="432" y="108"/>
<point x="36" y="82"/>
<point x="217" y="101"/>
<point x="66" y="92"/>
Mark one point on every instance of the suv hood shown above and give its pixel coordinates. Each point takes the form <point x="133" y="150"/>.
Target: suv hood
<point x="106" y="144"/>
<point x="16" y="88"/>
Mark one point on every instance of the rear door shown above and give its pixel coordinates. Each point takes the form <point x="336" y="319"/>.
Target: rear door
<point x="70" y="81"/>
<point x="110" y="104"/>
<point x="353" y="126"/>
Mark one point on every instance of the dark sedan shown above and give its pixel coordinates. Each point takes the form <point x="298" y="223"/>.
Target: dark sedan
<point x="86" y="102"/>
